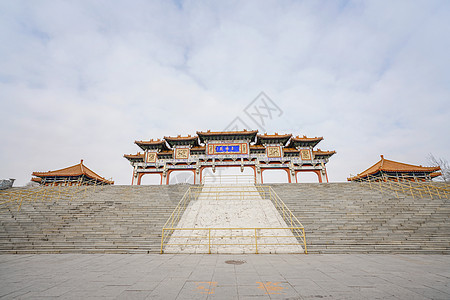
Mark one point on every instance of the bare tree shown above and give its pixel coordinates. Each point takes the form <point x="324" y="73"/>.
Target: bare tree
<point x="440" y="162"/>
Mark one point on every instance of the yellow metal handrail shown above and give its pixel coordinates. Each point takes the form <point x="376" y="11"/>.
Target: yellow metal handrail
<point x="256" y="237"/>
<point x="226" y="192"/>
<point x="177" y="213"/>
<point x="407" y="185"/>
<point x="54" y="191"/>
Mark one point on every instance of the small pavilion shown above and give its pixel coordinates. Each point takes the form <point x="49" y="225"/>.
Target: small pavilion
<point x="392" y="170"/>
<point x="77" y="174"/>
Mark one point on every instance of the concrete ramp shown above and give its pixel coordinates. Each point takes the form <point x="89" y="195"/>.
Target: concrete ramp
<point x="232" y="219"/>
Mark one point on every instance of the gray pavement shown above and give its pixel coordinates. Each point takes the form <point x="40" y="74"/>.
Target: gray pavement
<point x="195" y="276"/>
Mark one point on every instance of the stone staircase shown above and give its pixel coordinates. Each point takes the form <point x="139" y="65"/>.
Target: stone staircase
<point x="349" y="218"/>
<point x="111" y="219"/>
<point x="338" y="218"/>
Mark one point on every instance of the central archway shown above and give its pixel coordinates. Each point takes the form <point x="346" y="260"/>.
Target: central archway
<point x="226" y="171"/>
<point x="182" y="176"/>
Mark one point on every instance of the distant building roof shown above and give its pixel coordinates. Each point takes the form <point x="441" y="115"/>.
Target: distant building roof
<point x="385" y="165"/>
<point x="76" y="170"/>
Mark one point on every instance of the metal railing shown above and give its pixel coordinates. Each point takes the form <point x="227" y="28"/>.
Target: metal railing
<point x="16" y="197"/>
<point x="406" y="185"/>
<point x="239" y="192"/>
<point x="255" y="237"/>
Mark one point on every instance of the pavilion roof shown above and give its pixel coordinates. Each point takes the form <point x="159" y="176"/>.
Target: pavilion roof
<point x="250" y="134"/>
<point x="152" y="144"/>
<point x="304" y="141"/>
<point x="274" y="138"/>
<point x="198" y="148"/>
<point x="394" y="166"/>
<point x="319" y="152"/>
<point x="182" y="140"/>
<point x="165" y="152"/>
<point x="134" y="156"/>
<point x="76" y="170"/>
<point x="291" y="150"/>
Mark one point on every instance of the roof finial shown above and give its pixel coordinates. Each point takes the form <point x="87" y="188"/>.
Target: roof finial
<point x="81" y="161"/>
<point x="382" y="157"/>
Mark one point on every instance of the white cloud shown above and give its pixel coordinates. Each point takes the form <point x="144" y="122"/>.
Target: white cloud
<point x="86" y="79"/>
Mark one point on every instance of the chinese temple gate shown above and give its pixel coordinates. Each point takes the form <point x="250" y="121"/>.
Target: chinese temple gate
<point x="242" y="149"/>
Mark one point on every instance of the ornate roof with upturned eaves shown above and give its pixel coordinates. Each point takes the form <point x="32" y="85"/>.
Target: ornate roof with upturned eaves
<point x="134" y="157"/>
<point x="391" y="166"/>
<point x="198" y="149"/>
<point x="276" y="138"/>
<point x="209" y="135"/>
<point x="321" y="153"/>
<point x="152" y="145"/>
<point x="182" y="140"/>
<point x="304" y="141"/>
<point x="72" y="171"/>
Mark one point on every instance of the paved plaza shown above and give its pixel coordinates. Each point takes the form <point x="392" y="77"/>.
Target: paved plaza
<point x="198" y="276"/>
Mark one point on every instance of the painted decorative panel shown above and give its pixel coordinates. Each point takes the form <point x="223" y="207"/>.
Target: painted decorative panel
<point x="150" y="157"/>
<point x="273" y="151"/>
<point x="181" y="153"/>
<point x="305" y="154"/>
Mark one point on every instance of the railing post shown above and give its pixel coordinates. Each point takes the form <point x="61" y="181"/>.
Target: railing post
<point x="209" y="240"/>
<point x="256" y="240"/>
<point x="304" y="240"/>
<point x="162" y="241"/>
<point x="21" y="199"/>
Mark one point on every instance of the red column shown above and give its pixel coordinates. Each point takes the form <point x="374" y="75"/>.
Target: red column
<point x="319" y="175"/>
<point x="289" y="175"/>
<point x="139" y="178"/>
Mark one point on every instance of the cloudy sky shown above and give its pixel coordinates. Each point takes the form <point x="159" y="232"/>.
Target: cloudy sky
<point x="85" y="79"/>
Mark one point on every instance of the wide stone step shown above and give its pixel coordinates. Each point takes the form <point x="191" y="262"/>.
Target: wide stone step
<point x="338" y="218"/>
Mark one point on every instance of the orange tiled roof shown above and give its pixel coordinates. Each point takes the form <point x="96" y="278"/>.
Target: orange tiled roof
<point x="307" y="139"/>
<point x="244" y="132"/>
<point x="320" y="152"/>
<point x="165" y="152"/>
<point x="393" y="166"/>
<point x="198" y="148"/>
<point x="76" y="170"/>
<point x="138" y="155"/>
<point x="151" y="142"/>
<point x="276" y="136"/>
<point x="290" y="150"/>
<point x="181" y="138"/>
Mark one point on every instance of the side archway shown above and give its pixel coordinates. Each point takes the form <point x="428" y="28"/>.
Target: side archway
<point x="150" y="179"/>
<point x="275" y="176"/>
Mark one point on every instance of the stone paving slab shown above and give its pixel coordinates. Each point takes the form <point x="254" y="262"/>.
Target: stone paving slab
<point x="243" y="276"/>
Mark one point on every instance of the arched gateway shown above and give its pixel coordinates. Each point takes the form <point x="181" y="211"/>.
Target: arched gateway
<point x="211" y="150"/>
